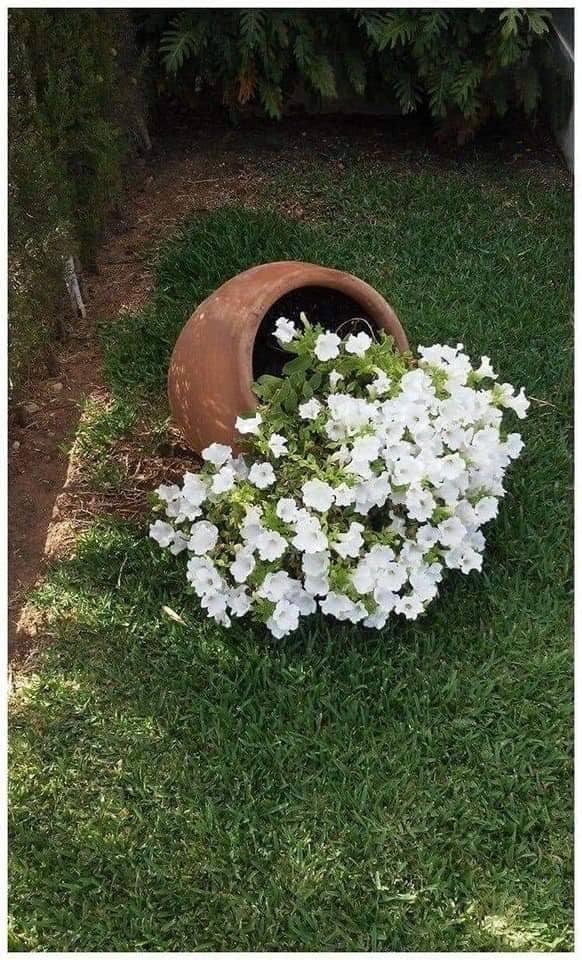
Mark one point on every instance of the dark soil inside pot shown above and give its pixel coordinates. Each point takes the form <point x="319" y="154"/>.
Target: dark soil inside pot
<point x="330" y="308"/>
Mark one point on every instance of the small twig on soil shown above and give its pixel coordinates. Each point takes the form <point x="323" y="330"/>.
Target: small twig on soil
<point x="127" y="260"/>
<point x="214" y="179"/>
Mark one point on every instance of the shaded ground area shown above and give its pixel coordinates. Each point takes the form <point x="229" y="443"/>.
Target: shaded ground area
<point x="176" y="786"/>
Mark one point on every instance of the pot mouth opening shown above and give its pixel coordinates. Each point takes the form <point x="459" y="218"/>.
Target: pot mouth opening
<point x="332" y="309"/>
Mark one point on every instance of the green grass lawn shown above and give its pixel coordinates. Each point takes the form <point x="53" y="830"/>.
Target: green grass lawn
<point x="175" y="786"/>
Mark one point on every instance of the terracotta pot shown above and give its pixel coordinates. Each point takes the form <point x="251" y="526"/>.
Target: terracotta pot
<point x="211" y="370"/>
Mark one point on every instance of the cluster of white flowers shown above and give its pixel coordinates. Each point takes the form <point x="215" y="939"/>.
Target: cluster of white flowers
<point x="356" y="500"/>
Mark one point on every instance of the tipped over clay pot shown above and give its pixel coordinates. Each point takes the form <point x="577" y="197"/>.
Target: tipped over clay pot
<point x="227" y="342"/>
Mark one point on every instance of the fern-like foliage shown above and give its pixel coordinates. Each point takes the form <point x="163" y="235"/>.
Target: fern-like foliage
<point x="252" y="28"/>
<point x="180" y="41"/>
<point x="461" y="65"/>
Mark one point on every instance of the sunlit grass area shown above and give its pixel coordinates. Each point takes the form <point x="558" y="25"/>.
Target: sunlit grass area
<point x="175" y="786"/>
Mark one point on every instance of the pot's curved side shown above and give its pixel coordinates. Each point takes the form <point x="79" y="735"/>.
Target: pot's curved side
<point x="211" y="369"/>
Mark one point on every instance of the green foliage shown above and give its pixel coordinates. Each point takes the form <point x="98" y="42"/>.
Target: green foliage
<point x="462" y="65"/>
<point x="75" y="103"/>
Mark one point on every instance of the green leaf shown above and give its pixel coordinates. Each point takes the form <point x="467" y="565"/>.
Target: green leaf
<point x="465" y="83"/>
<point x="303" y="49"/>
<point x="290" y="401"/>
<point x="266" y="386"/>
<point x="509" y="20"/>
<point x="538" y="21"/>
<point x="184" y="38"/>
<point x="408" y="94"/>
<point x="271" y="98"/>
<point x="356" y="70"/>
<point x="321" y="75"/>
<point x="299" y="365"/>
<point x="252" y="27"/>
<point x="529" y="88"/>
<point x="316" y="380"/>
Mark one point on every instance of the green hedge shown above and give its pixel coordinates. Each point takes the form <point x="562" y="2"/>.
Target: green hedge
<point x="75" y="106"/>
<point x="461" y="65"/>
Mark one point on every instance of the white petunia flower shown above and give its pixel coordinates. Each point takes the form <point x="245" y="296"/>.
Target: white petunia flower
<point x="310" y="409"/>
<point x="513" y="446"/>
<point x="168" y="492"/>
<point x="485" y="369"/>
<point x="310" y="538"/>
<point x="251" y="526"/>
<point x="410" y="606"/>
<point x="203" y="537"/>
<point x="215" y="605"/>
<point x="270" y="545"/>
<point x="380" y="555"/>
<point x="277" y="445"/>
<point x="223" y="481"/>
<point x="239" y="602"/>
<point x="394" y="576"/>
<point x="380" y="385"/>
<point x="358" y="344"/>
<point x="471" y="560"/>
<point x="427" y="536"/>
<point x="451" y="532"/>
<point x="242" y="566"/>
<point x="385" y="598"/>
<point x="334" y="378"/>
<point x="303" y="600"/>
<point x="519" y="404"/>
<point x="336" y="605"/>
<point x="195" y="489"/>
<point x="420" y="504"/>
<point x="364" y="577"/>
<point x="203" y="576"/>
<point x="162" y="533"/>
<point x="285" y="330"/>
<point x="284" y="619"/>
<point x="344" y="495"/>
<point x="318" y="495"/>
<point x="366" y="448"/>
<point x="239" y="467"/>
<point x="217" y="454"/>
<point x="286" y="509"/>
<point x="317" y="584"/>
<point x="486" y="509"/>
<point x="315" y="564"/>
<point x="349" y="544"/>
<point x="423" y="584"/>
<point x="377" y="619"/>
<point x="182" y="509"/>
<point x="327" y="346"/>
<point x="248" y="424"/>
<point x="408" y="470"/>
<point x="179" y="543"/>
<point x="275" y="586"/>
<point x="262" y="475"/>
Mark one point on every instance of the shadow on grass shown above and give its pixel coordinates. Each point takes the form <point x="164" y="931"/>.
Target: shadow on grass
<point x="377" y="784"/>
